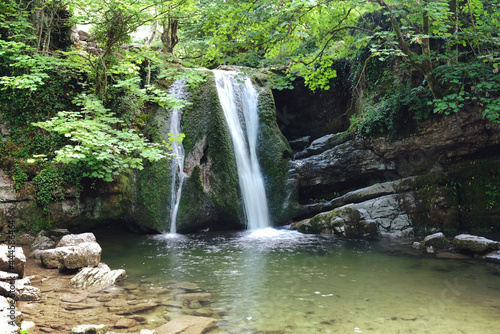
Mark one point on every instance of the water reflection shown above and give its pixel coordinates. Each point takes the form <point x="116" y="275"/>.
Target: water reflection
<point x="286" y="282"/>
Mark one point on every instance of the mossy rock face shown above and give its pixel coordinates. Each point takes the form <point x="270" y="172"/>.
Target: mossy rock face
<point x="153" y="183"/>
<point x="210" y="192"/>
<point x="274" y="155"/>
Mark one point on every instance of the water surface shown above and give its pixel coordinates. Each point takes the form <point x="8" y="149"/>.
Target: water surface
<point x="294" y="283"/>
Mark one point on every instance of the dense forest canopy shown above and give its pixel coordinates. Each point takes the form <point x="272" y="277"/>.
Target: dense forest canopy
<point x="91" y="90"/>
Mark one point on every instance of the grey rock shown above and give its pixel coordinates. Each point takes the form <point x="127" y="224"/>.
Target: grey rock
<point x="76" y="239"/>
<point x="322" y="144"/>
<point x="416" y="245"/>
<point x="9" y="253"/>
<point x="436" y="240"/>
<point x="90" y="329"/>
<point x="475" y="244"/>
<point x="5" y="276"/>
<point x="86" y="254"/>
<point x="19" y="291"/>
<point x="493" y="257"/>
<point x="42" y="242"/>
<point x="300" y="144"/>
<point x="101" y="275"/>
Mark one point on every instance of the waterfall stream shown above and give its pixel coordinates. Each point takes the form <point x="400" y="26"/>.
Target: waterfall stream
<point x="178" y="90"/>
<point x="239" y="103"/>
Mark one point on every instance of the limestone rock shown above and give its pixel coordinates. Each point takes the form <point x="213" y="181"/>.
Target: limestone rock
<point x="76" y="239"/>
<point x="27" y="325"/>
<point x="7" y="277"/>
<point x="493" y="257"/>
<point x="42" y="242"/>
<point x="6" y="317"/>
<point x="187" y="325"/>
<point x="90" y="329"/>
<point x="436" y="240"/>
<point x="125" y="323"/>
<point x="147" y="331"/>
<point x="21" y="291"/>
<point x="25" y="239"/>
<point x="383" y="215"/>
<point x="300" y="144"/>
<point x="416" y="245"/>
<point x="86" y="254"/>
<point x="475" y="244"/>
<point x="199" y="296"/>
<point x="101" y="275"/>
<point x="9" y="253"/>
<point x="322" y="144"/>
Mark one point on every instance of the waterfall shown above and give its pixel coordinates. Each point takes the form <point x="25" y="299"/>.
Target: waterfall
<point x="178" y="175"/>
<point x="239" y="103"/>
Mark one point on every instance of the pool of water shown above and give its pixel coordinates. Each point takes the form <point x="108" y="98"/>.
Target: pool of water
<point x="288" y="282"/>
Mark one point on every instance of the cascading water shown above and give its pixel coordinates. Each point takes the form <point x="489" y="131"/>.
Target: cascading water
<point x="239" y="102"/>
<point x="178" y="175"/>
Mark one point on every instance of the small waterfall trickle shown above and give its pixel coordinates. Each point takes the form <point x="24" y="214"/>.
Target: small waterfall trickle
<point x="239" y="103"/>
<point x="178" y="90"/>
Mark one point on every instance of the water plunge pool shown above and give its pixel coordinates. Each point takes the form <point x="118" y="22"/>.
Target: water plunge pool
<point x="295" y="283"/>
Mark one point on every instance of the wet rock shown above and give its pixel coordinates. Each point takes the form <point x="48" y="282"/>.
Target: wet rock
<point x="86" y="254"/>
<point x="147" y="331"/>
<point x="430" y="250"/>
<point x="187" y="286"/>
<point x="416" y="245"/>
<point x="383" y="215"/>
<point x="105" y="298"/>
<point x="125" y="323"/>
<point x="90" y="329"/>
<point x="475" y="244"/>
<point x="76" y="239"/>
<point x="300" y="144"/>
<point x="493" y="257"/>
<point x="7" y="253"/>
<point x="187" y="325"/>
<point x="189" y="297"/>
<point x="142" y="307"/>
<point x="101" y="275"/>
<point x="322" y="144"/>
<point x="436" y="240"/>
<point x="7" y="306"/>
<point x="73" y="298"/>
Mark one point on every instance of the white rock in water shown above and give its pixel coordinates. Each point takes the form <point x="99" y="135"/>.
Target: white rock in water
<point x="98" y="276"/>
<point x="27" y="325"/>
<point x="90" y="329"/>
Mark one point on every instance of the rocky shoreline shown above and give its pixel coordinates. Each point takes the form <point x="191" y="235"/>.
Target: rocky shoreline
<point x="66" y="301"/>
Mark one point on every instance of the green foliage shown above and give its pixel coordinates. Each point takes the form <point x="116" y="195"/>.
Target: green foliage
<point x="51" y="182"/>
<point x="394" y="113"/>
<point x="19" y="177"/>
<point x="99" y="144"/>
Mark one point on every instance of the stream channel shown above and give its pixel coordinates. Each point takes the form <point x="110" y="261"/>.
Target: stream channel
<point x="288" y="282"/>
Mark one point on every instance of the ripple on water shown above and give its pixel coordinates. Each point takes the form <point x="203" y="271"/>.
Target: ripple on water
<point x="284" y="281"/>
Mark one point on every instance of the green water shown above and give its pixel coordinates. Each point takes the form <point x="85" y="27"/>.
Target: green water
<point x="293" y="283"/>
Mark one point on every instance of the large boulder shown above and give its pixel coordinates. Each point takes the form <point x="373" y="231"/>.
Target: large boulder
<point x="76" y="239"/>
<point x="474" y="244"/>
<point x="436" y="240"/>
<point x="8" y="315"/>
<point x="101" y="275"/>
<point x="87" y="254"/>
<point x="12" y="259"/>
